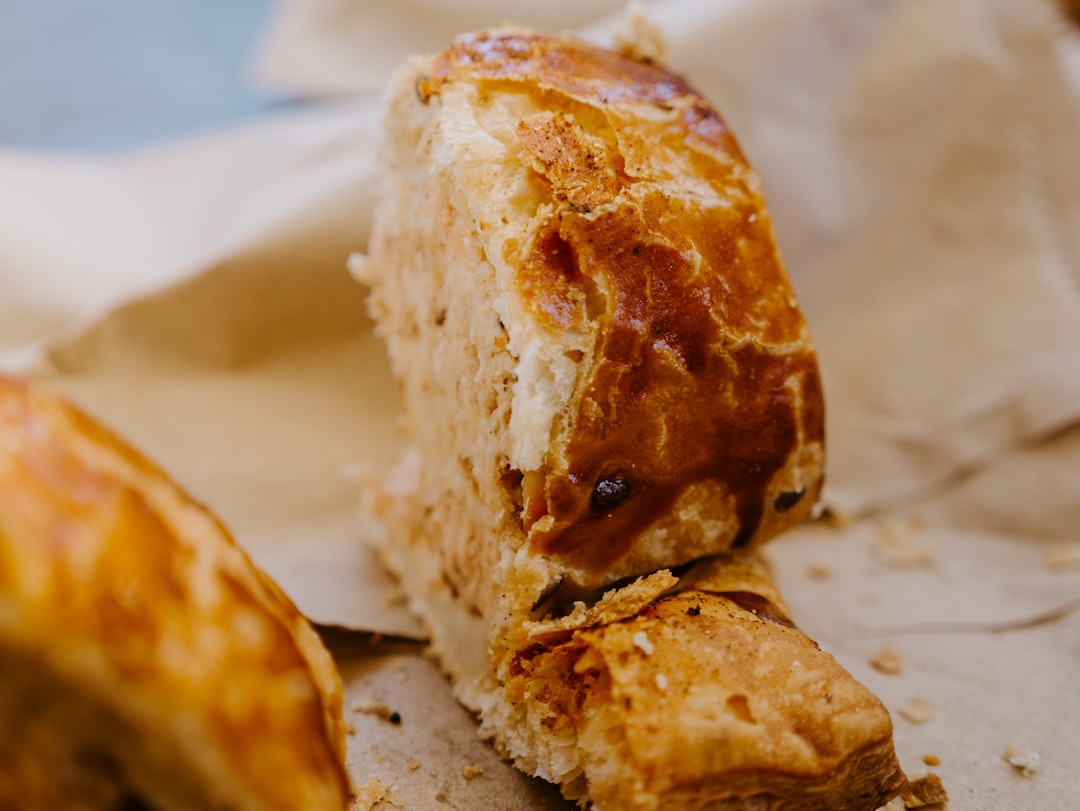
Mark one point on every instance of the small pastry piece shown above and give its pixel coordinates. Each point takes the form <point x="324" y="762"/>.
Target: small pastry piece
<point x="606" y="377"/>
<point x="145" y="662"/>
<point x="708" y="697"/>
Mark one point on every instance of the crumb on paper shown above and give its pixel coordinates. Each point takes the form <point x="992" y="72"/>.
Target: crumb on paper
<point x="887" y="660"/>
<point x="642" y="641"/>
<point x="1060" y="557"/>
<point x="366" y="796"/>
<point x="902" y="544"/>
<point x="471" y="771"/>
<point x="829" y="516"/>
<point x="924" y="792"/>
<point x="818" y="570"/>
<point x="350" y="728"/>
<point x="638" y="37"/>
<point x="379" y="757"/>
<point x="917" y="710"/>
<point x="931" y="760"/>
<point x="357" y="265"/>
<point x="1024" y="759"/>
<point x="413" y="764"/>
<point x="394" y="597"/>
<point x="378" y="709"/>
<point x="869" y="598"/>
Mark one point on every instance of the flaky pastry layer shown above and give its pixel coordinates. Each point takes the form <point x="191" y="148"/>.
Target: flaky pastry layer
<point x="707" y="697"/>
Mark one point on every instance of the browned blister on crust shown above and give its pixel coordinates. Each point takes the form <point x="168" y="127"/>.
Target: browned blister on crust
<point x="142" y="656"/>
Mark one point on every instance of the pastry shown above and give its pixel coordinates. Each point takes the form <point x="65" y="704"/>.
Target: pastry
<point x="606" y="379"/>
<point x="706" y="697"/>
<point x="145" y="662"/>
<point x="604" y="367"/>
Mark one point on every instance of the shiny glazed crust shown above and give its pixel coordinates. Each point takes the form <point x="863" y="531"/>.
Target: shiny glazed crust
<point x="143" y="657"/>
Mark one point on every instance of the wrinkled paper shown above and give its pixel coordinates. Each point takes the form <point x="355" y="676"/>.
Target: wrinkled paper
<point x="921" y="165"/>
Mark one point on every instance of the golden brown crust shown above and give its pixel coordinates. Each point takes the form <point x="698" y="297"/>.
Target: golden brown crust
<point x="711" y="698"/>
<point x="132" y="600"/>
<point x="568" y="66"/>
<point x="702" y="384"/>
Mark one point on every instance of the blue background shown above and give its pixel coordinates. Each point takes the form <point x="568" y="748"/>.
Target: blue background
<point x="101" y="75"/>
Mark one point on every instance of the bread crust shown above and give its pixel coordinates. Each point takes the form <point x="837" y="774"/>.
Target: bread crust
<point x="125" y="605"/>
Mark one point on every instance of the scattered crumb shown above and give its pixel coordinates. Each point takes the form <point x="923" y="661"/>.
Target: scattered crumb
<point x="472" y="771"/>
<point x="818" y="570"/>
<point x="398" y="664"/>
<point x="641" y="640"/>
<point x="364" y="797"/>
<point x="394" y="597"/>
<point x="917" y="710"/>
<point x="830" y="516"/>
<point x="1023" y="759"/>
<point x="357" y="264"/>
<point x="379" y="757"/>
<point x="1063" y="556"/>
<point x="661" y="682"/>
<point x="638" y="37"/>
<point x="350" y="728"/>
<point x="887" y="660"/>
<point x="926" y="791"/>
<point x="413" y="764"/>
<point x="931" y="760"/>
<point x="902" y="544"/>
<point x="869" y="598"/>
<point x="378" y="709"/>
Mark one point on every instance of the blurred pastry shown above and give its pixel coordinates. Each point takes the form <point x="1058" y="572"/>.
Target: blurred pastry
<point x="145" y="662"/>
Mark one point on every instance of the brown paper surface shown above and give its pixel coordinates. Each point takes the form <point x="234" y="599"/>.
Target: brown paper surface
<point x="921" y="164"/>
<point x="333" y="47"/>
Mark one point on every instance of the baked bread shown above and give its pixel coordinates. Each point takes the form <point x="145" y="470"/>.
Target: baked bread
<point x="605" y="376"/>
<point x="145" y="662"/>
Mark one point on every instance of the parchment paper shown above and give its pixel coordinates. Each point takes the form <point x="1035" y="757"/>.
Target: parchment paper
<point x="923" y="168"/>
